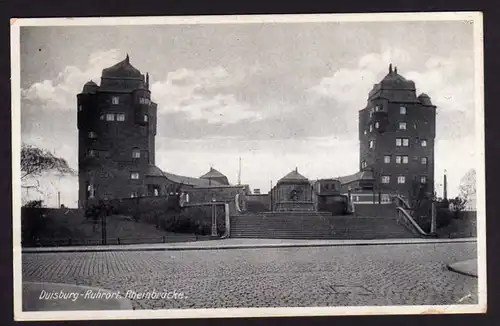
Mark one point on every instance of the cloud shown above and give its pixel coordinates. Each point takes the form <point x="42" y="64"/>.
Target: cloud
<point x="60" y="93"/>
<point x="198" y="94"/>
<point x="448" y="81"/>
<point x="350" y="86"/>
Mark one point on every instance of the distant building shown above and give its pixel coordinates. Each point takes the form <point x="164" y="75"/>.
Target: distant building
<point x="117" y="123"/>
<point x="397" y="129"/>
<point x="215" y="177"/>
<point x="256" y="191"/>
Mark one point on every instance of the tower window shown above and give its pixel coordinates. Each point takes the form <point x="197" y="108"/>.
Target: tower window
<point x="91" y="153"/>
<point x="103" y="116"/>
<point x="136" y="153"/>
<point x="115" y="100"/>
<point x="387" y="159"/>
<point x="377" y="108"/>
<point x="145" y="118"/>
<point x="402" y="125"/>
<point x="133" y="195"/>
<point x="110" y="117"/>
<point x="405" y="159"/>
<point x="386" y="179"/>
<point x="92" y="135"/>
<point x="134" y="175"/>
<point x="401" y="179"/>
<point x="423" y="160"/>
<point x="423" y="179"/>
<point x="143" y="100"/>
<point x="399" y="142"/>
<point x="365" y="132"/>
<point x="363" y="164"/>
<point x="80" y="107"/>
<point x="402" y="142"/>
<point x="377" y="125"/>
<point x="402" y="110"/>
<point x="371" y="128"/>
<point x="371" y="143"/>
<point x="398" y="159"/>
<point x="423" y="143"/>
<point x="120" y="117"/>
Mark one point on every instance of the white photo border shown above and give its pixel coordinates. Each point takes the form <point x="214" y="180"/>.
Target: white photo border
<point x="474" y="18"/>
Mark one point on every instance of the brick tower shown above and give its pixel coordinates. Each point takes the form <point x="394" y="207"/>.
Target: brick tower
<point x="116" y="134"/>
<point x="397" y="129"/>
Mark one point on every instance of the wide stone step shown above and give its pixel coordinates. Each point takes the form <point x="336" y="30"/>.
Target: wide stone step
<point x="312" y="226"/>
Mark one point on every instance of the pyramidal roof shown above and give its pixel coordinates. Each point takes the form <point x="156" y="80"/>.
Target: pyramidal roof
<point x="122" y="69"/>
<point x="294" y="176"/>
<point x="213" y="173"/>
<point x="393" y="75"/>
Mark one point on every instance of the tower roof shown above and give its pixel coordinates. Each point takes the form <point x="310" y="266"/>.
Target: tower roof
<point x="122" y="69"/>
<point x="425" y="99"/>
<point x="395" y="80"/>
<point x="213" y="173"/>
<point x="293" y="176"/>
<point x="90" y="87"/>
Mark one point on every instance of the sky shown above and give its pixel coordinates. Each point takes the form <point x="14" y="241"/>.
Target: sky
<point x="278" y="95"/>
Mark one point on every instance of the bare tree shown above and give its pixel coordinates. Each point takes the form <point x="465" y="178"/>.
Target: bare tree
<point x="468" y="185"/>
<point x="36" y="161"/>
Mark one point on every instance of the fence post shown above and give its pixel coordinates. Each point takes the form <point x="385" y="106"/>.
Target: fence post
<point x="70" y="241"/>
<point x="163" y="239"/>
<point x="118" y="239"/>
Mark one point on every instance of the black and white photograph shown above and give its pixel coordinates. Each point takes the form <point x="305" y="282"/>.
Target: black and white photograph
<point x="248" y="166"/>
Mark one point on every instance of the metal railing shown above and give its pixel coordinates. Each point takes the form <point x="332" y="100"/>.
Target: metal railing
<point x="406" y="217"/>
<point x="179" y="237"/>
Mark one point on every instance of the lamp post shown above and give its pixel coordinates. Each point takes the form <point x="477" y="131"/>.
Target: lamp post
<point x="214" y="217"/>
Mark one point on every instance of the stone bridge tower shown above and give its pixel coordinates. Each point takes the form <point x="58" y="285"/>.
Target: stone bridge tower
<point x="116" y="134"/>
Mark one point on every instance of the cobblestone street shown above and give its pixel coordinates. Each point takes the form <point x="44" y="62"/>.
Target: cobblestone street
<point x="272" y="277"/>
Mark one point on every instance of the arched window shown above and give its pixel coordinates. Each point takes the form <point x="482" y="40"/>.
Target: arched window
<point x="145" y="118"/>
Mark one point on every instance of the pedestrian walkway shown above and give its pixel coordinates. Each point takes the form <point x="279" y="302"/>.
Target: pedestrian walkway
<point x="39" y="296"/>
<point x="466" y="267"/>
<point x="243" y="244"/>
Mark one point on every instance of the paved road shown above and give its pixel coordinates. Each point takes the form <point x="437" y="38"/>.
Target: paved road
<point x="274" y="277"/>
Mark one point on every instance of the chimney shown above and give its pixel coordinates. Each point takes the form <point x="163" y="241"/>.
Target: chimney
<point x="390" y="68"/>
<point x="147" y="80"/>
<point x="396" y="70"/>
<point x="127" y="59"/>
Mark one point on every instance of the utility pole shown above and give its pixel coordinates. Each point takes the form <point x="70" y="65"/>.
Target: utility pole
<point x="58" y="199"/>
<point x="271" y="194"/>
<point x="239" y="172"/>
<point x="445" y="190"/>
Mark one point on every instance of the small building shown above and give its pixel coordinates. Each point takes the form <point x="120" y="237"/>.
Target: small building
<point x="293" y="192"/>
<point x="215" y="177"/>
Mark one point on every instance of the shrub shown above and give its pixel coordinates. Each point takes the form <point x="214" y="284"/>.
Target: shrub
<point x="457" y="206"/>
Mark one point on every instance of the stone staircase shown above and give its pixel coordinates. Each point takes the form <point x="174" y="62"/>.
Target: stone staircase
<point x="256" y="207"/>
<point x="316" y="226"/>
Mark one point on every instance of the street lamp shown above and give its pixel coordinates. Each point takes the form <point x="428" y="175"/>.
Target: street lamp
<point x="214" y="217"/>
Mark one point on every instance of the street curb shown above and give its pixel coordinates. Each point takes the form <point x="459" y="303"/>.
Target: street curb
<point x="237" y="246"/>
<point x="457" y="269"/>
